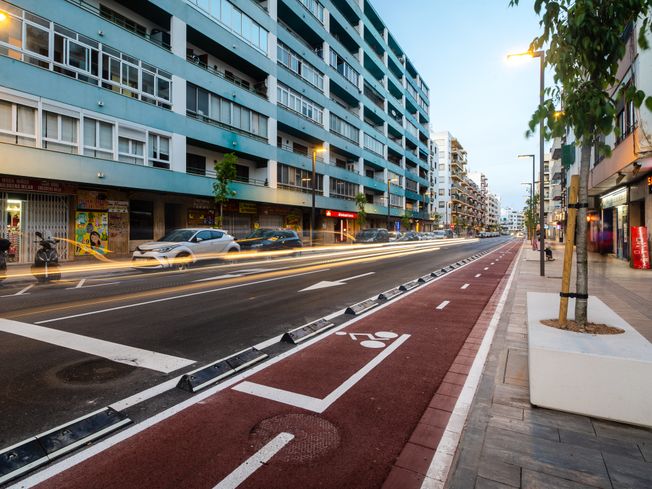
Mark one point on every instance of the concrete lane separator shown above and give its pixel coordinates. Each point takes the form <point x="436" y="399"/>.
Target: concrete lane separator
<point x="103" y="445"/>
<point x="45" y="447"/>
<point x="253" y="463"/>
<point x="410" y="285"/>
<point x="303" y="333"/>
<point x="116" y="352"/>
<point x="182" y="296"/>
<point x="214" y="372"/>
<point x="442" y="460"/>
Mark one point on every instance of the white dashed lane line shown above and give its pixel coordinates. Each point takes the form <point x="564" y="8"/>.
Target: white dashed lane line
<point x="443" y="304"/>
<point x="464" y="286"/>
<point x="477" y="275"/>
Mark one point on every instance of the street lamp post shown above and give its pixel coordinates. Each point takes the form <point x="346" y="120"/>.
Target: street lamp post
<point x="531" y="188"/>
<point x="313" y="182"/>
<point x="542" y="61"/>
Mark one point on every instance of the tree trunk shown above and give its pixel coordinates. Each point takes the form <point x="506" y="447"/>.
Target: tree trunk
<point x="221" y="215"/>
<point x="582" y="286"/>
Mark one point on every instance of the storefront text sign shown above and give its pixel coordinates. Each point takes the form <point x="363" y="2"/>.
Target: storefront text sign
<point x="32" y="185"/>
<point x="640" y="251"/>
<point x="649" y="184"/>
<point x="614" y="199"/>
<point x="341" y="215"/>
<point x="248" y="208"/>
<point x="118" y="206"/>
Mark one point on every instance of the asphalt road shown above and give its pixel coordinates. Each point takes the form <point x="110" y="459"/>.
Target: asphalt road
<point x="153" y="327"/>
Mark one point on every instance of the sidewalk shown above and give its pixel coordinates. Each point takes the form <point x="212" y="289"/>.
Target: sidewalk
<point x="507" y="443"/>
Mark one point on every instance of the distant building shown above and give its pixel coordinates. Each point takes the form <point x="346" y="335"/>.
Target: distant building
<point x="511" y="220"/>
<point x="493" y="212"/>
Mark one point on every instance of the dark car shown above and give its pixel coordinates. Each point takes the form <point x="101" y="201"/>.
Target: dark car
<point x="410" y="236"/>
<point x="372" y="235"/>
<point x="270" y="239"/>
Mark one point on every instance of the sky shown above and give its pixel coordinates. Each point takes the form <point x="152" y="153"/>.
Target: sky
<point x="459" y="47"/>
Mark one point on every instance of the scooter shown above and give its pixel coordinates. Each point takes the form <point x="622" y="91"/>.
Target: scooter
<point x="46" y="261"/>
<point x="4" y="248"/>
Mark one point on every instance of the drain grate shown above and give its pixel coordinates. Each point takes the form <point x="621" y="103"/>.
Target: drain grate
<point x="314" y="437"/>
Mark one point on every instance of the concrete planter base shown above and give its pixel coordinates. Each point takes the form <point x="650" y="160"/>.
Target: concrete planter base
<point x="605" y="376"/>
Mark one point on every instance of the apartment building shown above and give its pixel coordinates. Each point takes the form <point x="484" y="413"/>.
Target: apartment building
<point x="113" y="114"/>
<point x="492" y="212"/>
<point x="480" y="180"/>
<point x="511" y="220"/>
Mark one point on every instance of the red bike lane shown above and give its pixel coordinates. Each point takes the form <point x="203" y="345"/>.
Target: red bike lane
<point x="335" y="414"/>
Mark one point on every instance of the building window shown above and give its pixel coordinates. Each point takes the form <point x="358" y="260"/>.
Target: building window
<point x="59" y="132"/>
<point x="131" y="151"/>
<point x="212" y="108"/>
<point x="159" y="151"/>
<point x="442" y="191"/>
<point x="291" y="178"/>
<point x="341" y="189"/>
<point x="343" y="68"/>
<point x="315" y="8"/>
<point x="298" y="103"/>
<point x="98" y="138"/>
<point x="235" y="20"/>
<point x="344" y="129"/>
<point x="296" y="64"/>
<point x="17" y="124"/>
<point x="373" y="145"/>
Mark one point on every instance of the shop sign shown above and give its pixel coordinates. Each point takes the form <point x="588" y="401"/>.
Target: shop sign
<point x="202" y="204"/>
<point x="640" y="251"/>
<point x="91" y="200"/>
<point x="342" y="215"/>
<point x="201" y="217"/>
<point x="118" y="206"/>
<point x="649" y="184"/>
<point x="274" y="210"/>
<point x="32" y="185"/>
<point x="248" y="208"/>
<point x="614" y="199"/>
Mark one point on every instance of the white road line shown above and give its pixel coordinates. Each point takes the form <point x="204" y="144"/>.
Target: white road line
<point x="81" y="283"/>
<point x="182" y="296"/>
<point x="312" y="403"/>
<point x="240" y="273"/>
<point x="477" y="275"/>
<point x="20" y="292"/>
<point x="253" y="463"/>
<point x="443" y="459"/>
<point x="465" y="286"/>
<point x="90" y="286"/>
<point x="93" y="346"/>
<point x="492" y="263"/>
<point x="486" y="268"/>
<point x="443" y="304"/>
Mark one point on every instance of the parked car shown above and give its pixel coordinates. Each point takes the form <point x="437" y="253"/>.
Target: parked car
<point x="439" y="234"/>
<point x="182" y="248"/>
<point x="394" y="235"/>
<point x="372" y="235"/>
<point x="267" y="239"/>
<point x="410" y="236"/>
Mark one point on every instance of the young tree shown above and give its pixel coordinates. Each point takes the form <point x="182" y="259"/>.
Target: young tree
<point x="531" y="215"/>
<point x="225" y="172"/>
<point x="405" y="220"/>
<point x="361" y="202"/>
<point x="584" y="41"/>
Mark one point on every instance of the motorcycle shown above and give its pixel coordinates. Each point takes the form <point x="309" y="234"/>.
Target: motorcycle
<point x="4" y="248"/>
<point x="46" y="261"/>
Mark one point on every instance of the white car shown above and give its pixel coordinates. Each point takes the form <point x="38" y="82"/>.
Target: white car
<point x="181" y="248"/>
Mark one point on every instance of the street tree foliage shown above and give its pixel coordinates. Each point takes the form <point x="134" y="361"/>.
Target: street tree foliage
<point x="225" y="172"/>
<point x="405" y="220"/>
<point x="360" y="203"/>
<point x="584" y="40"/>
<point x="531" y="215"/>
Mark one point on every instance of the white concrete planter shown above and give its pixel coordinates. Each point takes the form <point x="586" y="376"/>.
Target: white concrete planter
<point x="605" y="376"/>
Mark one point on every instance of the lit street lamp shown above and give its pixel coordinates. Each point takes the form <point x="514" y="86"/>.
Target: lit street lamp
<point x="390" y="180"/>
<point x="542" y="61"/>
<point x="531" y="186"/>
<point x="313" y="182"/>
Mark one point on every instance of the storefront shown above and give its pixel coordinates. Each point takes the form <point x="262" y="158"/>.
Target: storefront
<point x="614" y="234"/>
<point x="30" y="205"/>
<point x="339" y="226"/>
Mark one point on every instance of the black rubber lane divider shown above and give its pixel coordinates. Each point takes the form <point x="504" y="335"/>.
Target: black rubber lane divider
<point x="438" y="273"/>
<point x="296" y="336"/>
<point x="361" y="307"/>
<point x="426" y="278"/>
<point x="216" y="371"/>
<point x="389" y="294"/>
<point x="40" y="449"/>
<point x="410" y="285"/>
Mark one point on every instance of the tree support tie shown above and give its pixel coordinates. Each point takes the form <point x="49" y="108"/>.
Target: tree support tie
<point x="573" y="295"/>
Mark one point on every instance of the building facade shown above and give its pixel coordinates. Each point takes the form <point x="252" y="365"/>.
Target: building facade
<point x="114" y="113"/>
<point x="511" y="220"/>
<point x="493" y="212"/>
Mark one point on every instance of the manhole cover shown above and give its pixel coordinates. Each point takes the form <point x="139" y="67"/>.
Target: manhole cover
<point x="94" y="372"/>
<point x="313" y="437"/>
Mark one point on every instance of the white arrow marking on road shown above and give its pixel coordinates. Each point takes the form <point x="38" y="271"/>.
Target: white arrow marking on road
<point x="326" y="283"/>
<point x="20" y="292"/>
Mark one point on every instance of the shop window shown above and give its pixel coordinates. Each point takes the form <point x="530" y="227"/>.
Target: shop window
<point x="141" y="220"/>
<point x="59" y="132"/>
<point x="17" y="124"/>
<point x="159" y="151"/>
<point x="98" y="139"/>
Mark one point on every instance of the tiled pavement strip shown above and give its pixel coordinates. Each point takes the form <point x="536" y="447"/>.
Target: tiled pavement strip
<point x="507" y="443"/>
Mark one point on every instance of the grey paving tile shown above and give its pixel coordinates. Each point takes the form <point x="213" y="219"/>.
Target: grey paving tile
<point x="507" y="411"/>
<point x="574" y="422"/>
<point x="625" y="447"/>
<point x="499" y="471"/>
<point x="464" y="478"/>
<point x="538" y="480"/>
<point x="646" y="450"/>
<point x="512" y="395"/>
<point x="482" y="483"/>
<point x="577" y="464"/>
<point x="525" y="427"/>
<point x="610" y="429"/>
<point x="516" y="367"/>
<point x="627" y="473"/>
